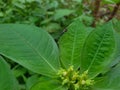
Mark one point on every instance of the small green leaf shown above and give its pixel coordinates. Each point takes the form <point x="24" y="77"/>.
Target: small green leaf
<point x="7" y="79"/>
<point x="19" y="71"/>
<point x="31" y="81"/>
<point x="111" y="1"/>
<point x="98" y="50"/>
<point x="79" y="1"/>
<point x="62" y="12"/>
<point x="116" y="1"/>
<point x="31" y="47"/>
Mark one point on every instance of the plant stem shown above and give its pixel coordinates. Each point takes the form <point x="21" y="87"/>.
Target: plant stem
<point x="95" y="12"/>
<point x="114" y="12"/>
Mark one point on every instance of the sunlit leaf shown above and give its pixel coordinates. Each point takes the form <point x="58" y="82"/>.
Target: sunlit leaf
<point x="29" y="46"/>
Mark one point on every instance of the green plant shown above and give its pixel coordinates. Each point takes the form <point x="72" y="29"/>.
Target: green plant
<point x="83" y="61"/>
<point x="50" y="15"/>
<point x="55" y="15"/>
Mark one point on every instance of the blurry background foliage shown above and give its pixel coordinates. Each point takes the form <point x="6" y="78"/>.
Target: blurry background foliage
<point x="51" y="15"/>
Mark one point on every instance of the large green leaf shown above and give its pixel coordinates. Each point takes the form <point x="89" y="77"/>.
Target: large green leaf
<point x="29" y="46"/>
<point x="111" y="81"/>
<point x="48" y="84"/>
<point x="98" y="49"/>
<point x="7" y="79"/>
<point x="71" y="44"/>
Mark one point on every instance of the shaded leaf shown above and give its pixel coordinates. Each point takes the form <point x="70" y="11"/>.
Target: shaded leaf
<point x="48" y="84"/>
<point x="7" y="79"/>
<point x="111" y="81"/>
<point x="31" y="81"/>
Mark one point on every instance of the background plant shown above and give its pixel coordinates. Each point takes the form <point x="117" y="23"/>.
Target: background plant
<point x="54" y="15"/>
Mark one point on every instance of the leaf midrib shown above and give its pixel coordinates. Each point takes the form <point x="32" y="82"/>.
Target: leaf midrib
<point x="35" y="50"/>
<point x="73" y="49"/>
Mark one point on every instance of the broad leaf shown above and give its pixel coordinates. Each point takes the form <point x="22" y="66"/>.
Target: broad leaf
<point x="71" y="44"/>
<point x="7" y="79"/>
<point x="29" y="46"/>
<point x="98" y="50"/>
<point x="111" y="81"/>
<point x="48" y="84"/>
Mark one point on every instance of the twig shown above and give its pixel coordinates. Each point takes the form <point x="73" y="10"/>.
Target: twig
<point x="95" y="12"/>
<point x="114" y="12"/>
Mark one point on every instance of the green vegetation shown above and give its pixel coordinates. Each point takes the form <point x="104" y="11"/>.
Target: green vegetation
<point x="59" y="45"/>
